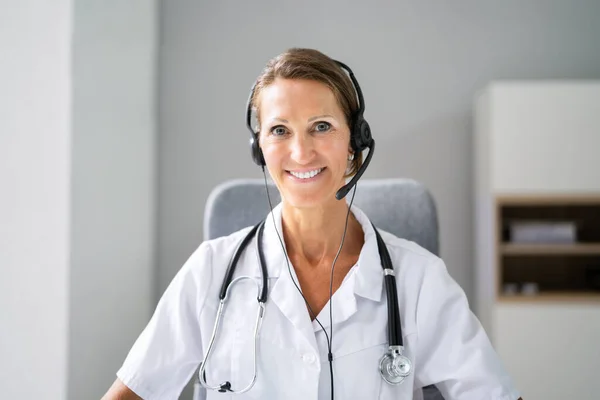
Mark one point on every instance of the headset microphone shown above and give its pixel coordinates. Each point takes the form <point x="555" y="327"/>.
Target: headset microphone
<point x="340" y="194"/>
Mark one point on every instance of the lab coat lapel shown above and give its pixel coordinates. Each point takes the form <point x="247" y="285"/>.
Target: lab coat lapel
<point x="284" y="293"/>
<point x="369" y="276"/>
<point x="286" y="297"/>
<point x="343" y="304"/>
<point x="364" y="280"/>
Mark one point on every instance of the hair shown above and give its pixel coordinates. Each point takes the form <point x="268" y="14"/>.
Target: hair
<point x="310" y="64"/>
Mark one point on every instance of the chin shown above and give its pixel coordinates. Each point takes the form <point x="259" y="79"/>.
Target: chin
<point x="306" y="198"/>
<point x="299" y="201"/>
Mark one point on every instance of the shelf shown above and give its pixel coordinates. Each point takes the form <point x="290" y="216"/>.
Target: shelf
<point x="542" y="200"/>
<point x="524" y="249"/>
<point x="550" y="297"/>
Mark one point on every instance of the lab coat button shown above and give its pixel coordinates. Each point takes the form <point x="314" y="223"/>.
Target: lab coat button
<point x="309" y="358"/>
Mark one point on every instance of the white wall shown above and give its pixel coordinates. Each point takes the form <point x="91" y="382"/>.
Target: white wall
<point x="35" y="144"/>
<point x="113" y="189"/>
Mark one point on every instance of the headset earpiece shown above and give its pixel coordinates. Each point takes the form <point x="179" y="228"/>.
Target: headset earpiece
<point x="361" y="135"/>
<point x="360" y="138"/>
<point x="255" y="150"/>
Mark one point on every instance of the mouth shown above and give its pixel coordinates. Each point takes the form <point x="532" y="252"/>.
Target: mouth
<point x="306" y="176"/>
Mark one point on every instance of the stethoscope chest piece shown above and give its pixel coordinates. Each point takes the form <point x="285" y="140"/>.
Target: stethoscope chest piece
<point x="394" y="366"/>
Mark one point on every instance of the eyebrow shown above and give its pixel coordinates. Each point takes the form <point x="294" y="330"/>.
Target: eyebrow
<point x="285" y="121"/>
<point x="320" y="116"/>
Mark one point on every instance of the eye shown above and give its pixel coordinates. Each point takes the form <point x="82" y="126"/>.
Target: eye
<point x="322" y="126"/>
<point x="278" y="130"/>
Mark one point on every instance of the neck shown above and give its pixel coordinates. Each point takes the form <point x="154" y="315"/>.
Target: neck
<point x="315" y="234"/>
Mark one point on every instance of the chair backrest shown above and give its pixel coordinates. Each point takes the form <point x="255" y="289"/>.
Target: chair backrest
<point x="402" y="207"/>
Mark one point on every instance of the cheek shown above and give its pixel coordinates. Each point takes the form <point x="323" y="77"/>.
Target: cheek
<point x="339" y="152"/>
<point x="272" y="153"/>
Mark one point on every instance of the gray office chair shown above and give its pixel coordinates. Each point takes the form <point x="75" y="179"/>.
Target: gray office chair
<point x="399" y="206"/>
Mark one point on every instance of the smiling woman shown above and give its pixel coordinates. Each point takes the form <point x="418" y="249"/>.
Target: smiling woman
<point x="401" y="322"/>
<point x="305" y="140"/>
<point x="299" y="71"/>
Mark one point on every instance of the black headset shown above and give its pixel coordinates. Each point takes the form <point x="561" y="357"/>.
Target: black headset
<point x="360" y="134"/>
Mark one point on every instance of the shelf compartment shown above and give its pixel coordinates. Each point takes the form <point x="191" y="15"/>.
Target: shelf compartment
<point x="553" y="273"/>
<point x="564" y="267"/>
<point x="584" y="215"/>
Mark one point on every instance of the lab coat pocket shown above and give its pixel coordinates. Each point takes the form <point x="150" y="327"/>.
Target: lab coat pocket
<point x="359" y="372"/>
<point x="358" y="368"/>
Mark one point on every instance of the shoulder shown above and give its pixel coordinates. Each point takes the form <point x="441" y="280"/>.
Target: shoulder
<point x="408" y="255"/>
<point x="211" y="257"/>
<point x="213" y="250"/>
<point x="420" y="274"/>
<point x="226" y="243"/>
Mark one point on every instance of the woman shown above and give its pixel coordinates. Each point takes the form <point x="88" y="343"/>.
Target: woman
<point x="307" y="108"/>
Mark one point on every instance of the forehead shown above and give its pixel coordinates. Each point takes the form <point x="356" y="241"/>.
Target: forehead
<point x="297" y="97"/>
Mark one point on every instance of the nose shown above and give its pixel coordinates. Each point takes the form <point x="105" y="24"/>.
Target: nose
<point x="302" y="148"/>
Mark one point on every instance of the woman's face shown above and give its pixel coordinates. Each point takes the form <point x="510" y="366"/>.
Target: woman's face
<point x="305" y="140"/>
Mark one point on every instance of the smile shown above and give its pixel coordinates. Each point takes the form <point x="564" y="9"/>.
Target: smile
<point x="307" y="174"/>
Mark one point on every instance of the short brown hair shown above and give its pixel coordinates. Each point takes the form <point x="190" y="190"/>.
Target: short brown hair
<point x="310" y="64"/>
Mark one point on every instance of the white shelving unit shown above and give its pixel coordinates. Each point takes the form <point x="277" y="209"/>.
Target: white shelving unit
<point x="537" y="157"/>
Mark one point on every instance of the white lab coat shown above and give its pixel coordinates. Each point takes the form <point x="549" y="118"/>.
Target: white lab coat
<point x="443" y="339"/>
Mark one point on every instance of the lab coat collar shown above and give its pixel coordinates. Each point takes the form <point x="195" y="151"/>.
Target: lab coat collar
<point x="369" y="274"/>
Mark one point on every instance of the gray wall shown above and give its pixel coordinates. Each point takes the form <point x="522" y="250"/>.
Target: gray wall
<point x="35" y="143"/>
<point x="77" y="192"/>
<point x="419" y="64"/>
<point x="113" y="187"/>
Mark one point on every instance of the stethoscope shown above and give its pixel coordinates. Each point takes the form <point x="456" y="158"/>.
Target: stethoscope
<point x="394" y="366"/>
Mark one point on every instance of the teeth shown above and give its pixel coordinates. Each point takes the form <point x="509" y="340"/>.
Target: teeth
<point x="306" y="175"/>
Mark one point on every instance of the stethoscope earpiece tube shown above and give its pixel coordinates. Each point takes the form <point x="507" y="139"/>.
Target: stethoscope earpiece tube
<point x="396" y="320"/>
<point x="234" y="260"/>
<point x="394" y="366"/>
<point x="394" y="325"/>
<point x="263" y="265"/>
<point x="392" y="331"/>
